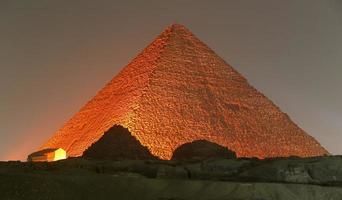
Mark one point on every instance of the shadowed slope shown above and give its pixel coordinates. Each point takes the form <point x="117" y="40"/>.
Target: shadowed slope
<point x="178" y="85"/>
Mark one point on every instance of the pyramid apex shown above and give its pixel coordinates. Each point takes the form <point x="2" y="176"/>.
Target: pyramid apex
<point x="174" y="31"/>
<point x="176" y="27"/>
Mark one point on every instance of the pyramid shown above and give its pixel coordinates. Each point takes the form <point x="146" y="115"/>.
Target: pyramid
<point x="178" y="90"/>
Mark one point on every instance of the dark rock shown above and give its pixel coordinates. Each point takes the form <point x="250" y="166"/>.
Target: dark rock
<point x="171" y="172"/>
<point x="118" y="143"/>
<point x="200" y="150"/>
<point x="316" y="178"/>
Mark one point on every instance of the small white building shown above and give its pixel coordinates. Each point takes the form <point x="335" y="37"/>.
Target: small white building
<point x="47" y="155"/>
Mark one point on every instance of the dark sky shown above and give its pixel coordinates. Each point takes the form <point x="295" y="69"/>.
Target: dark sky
<point x="55" y="55"/>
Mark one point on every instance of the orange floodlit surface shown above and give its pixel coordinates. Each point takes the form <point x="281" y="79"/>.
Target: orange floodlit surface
<point x="178" y="90"/>
<point x="60" y="154"/>
<point x="47" y="155"/>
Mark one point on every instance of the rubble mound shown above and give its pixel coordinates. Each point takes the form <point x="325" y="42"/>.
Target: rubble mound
<point x="200" y="150"/>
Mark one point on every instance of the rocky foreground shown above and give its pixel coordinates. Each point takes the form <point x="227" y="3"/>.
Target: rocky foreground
<point x="230" y="179"/>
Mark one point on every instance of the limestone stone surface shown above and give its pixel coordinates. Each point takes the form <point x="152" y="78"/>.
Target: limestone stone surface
<point x="178" y="90"/>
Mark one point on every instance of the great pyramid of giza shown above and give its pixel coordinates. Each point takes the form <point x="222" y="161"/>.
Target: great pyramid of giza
<point x="178" y="90"/>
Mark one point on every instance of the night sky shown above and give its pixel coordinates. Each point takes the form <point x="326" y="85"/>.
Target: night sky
<point x="55" y="56"/>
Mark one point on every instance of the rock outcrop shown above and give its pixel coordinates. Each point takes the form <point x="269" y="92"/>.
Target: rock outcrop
<point x="318" y="178"/>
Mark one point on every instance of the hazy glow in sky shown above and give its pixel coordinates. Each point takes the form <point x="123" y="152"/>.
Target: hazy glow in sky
<point x="54" y="56"/>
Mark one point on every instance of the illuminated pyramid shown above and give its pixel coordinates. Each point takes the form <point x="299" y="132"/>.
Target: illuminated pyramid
<point x="178" y="90"/>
